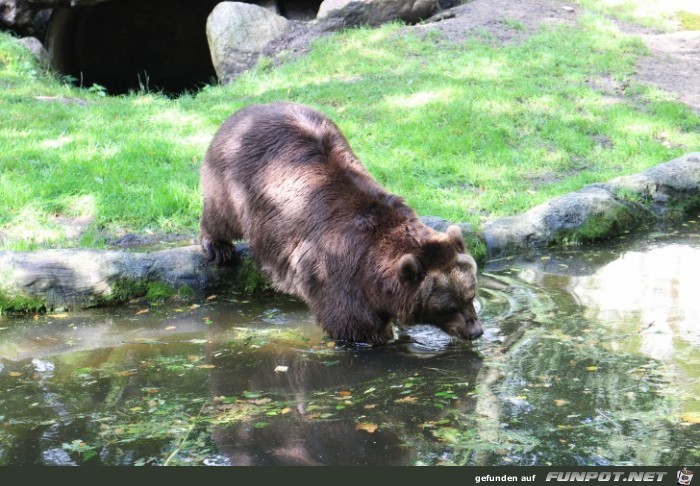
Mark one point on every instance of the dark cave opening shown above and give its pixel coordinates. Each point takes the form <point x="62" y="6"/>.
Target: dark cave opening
<point x="134" y="45"/>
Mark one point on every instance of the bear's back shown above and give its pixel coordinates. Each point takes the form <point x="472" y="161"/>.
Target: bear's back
<point x="307" y="206"/>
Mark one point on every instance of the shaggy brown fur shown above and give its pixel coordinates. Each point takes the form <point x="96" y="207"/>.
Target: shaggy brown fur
<point x="283" y="177"/>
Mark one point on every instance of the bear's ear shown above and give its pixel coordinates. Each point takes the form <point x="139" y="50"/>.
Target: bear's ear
<point x="466" y="261"/>
<point x="409" y="268"/>
<point x="455" y="234"/>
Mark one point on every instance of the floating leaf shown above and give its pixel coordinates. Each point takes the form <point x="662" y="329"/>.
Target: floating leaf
<point x="447" y="434"/>
<point x="370" y="406"/>
<point x="344" y="393"/>
<point x="691" y="418"/>
<point x="15" y="374"/>
<point x="330" y="344"/>
<point x="591" y="368"/>
<point x="248" y="394"/>
<point x="194" y="306"/>
<point x="206" y="366"/>
<point x="408" y="399"/>
<point x="369" y="390"/>
<point x="331" y="363"/>
<point x="142" y="311"/>
<point x="170" y="328"/>
<point x="325" y="415"/>
<point x="285" y="410"/>
<point x="340" y="407"/>
<point x="198" y="341"/>
<point x="367" y="427"/>
<point x="136" y="409"/>
<point x="212" y="297"/>
<point x="281" y="369"/>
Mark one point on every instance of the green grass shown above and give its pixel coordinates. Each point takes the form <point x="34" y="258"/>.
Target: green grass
<point x="689" y="20"/>
<point x="466" y="131"/>
<point x="665" y="15"/>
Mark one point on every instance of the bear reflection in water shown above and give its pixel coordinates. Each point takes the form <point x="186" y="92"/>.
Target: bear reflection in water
<point x="314" y="431"/>
<point x="283" y="177"/>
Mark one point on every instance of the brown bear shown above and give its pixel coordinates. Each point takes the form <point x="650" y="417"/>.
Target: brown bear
<point x="283" y="177"/>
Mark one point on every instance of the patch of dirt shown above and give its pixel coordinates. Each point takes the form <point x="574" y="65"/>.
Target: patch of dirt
<point x="674" y="65"/>
<point x="507" y="21"/>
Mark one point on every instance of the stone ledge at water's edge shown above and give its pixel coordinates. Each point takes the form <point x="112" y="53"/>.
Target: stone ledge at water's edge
<point x="52" y="279"/>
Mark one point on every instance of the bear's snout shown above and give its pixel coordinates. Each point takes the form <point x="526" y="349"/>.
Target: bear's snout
<point x="471" y="330"/>
<point x="465" y="327"/>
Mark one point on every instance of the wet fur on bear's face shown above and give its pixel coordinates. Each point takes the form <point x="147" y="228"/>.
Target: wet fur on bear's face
<point x="445" y="296"/>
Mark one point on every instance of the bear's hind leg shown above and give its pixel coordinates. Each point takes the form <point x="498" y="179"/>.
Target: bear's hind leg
<point x="218" y="229"/>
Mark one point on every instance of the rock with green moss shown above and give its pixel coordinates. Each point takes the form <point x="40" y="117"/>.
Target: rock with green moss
<point x="84" y="278"/>
<point x="601" y="211"/>
<point x="667" y="189"/>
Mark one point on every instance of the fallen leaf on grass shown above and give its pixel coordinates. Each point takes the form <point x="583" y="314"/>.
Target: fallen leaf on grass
<point x="561" y="403"/>
<point x="370" y="406"/>
<point x="344" y="393"/>
<point x="261" y="401"/>
<point x="15" y="374"/>
<point x="195" y="306"/>
<point x="281" y="369"/>
<point x="285" y="410"/>
<point x="366" y="426"/>
<point x="206" y="366"/>
<point x="591" y="368"/>
<point x="142" y="311"/>
<point x="170" y="328"/>
<point x="212" y="297"/>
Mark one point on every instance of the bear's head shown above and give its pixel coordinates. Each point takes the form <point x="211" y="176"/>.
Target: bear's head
<point x="444" y="275"/>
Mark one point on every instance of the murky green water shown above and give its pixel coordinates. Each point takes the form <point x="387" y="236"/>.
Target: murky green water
<point x="588" y="358"/>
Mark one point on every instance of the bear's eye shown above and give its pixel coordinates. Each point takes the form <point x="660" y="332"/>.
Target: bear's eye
<point x="452" y="310"/>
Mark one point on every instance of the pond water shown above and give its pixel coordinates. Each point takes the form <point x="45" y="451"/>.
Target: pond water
<point x="589" y="358"/>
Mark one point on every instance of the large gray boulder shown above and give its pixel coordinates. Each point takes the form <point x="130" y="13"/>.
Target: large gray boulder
<point x="23" y="17"/>
<point x="348" y="13"/>
<point x="37" y="49"/>
<point x="238" y="33"/>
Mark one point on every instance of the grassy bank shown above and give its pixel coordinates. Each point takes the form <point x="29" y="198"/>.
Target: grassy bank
<point x="466" y="131"/>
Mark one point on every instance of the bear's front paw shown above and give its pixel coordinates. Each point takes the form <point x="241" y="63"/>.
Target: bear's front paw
<point x="220" y="252"/>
